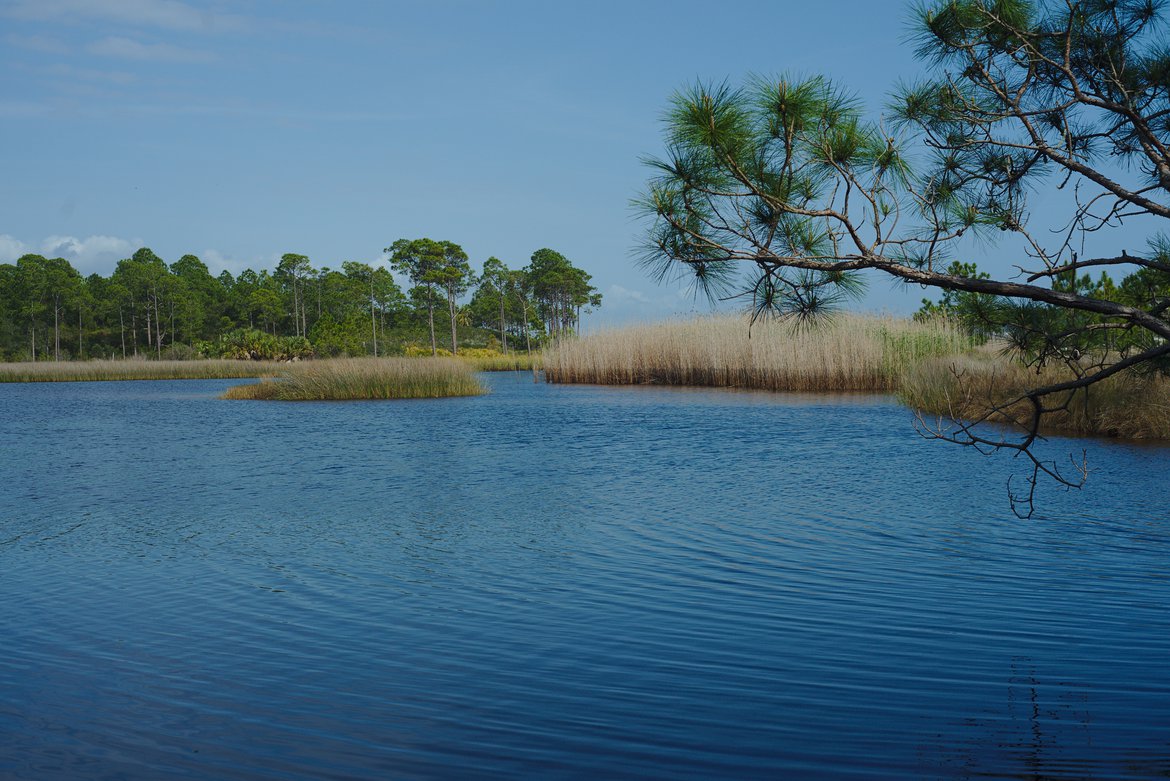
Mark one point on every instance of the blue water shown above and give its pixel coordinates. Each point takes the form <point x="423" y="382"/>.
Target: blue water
<point x="564" y="582"/>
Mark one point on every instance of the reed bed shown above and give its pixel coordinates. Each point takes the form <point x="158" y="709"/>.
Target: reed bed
<point x="503" y="363"/>
<point x="135" y="369"/>
<point x="344" y="379"/>
<point x="848" y="353"/>
<point x="977" y="386"/>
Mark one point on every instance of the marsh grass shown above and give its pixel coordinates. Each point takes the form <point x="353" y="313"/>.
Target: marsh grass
<point x="503" y="363"/>
<point x="970" y="387"/>
<point x="133" y="369"/>
<point x="849" y="353"/>
<point x="343" y="379"/>
<point x="482" y="358"/>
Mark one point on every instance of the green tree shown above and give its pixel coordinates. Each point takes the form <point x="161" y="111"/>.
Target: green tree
<point x="149" y="285"/>
<point x="104" y="299"/>
<point x="205" y="299"/>
<point x="121" y="299"/>
<point x="332" y="338"/>
<point x="265" y="302"/>
<point x="782" y="190"/>
<point x="62" y="288"/>
<point x="240" y="295"/>
<point x="980" y="314"/>
<point x="495" y="283"/>
<point x="85" y="305"/>
<point x="421" y="261"/>
<point x="454" y="275"/>
<point x="383" y="293"/>
<point x="389" y="300"/>
<point x="560" y="290"/>
<point x="47" y="288"/>
<point x="31" y="287"/>
<point x="521" y="285"/>
<point x="292" y="273"/>
<point x="11" y="325"/>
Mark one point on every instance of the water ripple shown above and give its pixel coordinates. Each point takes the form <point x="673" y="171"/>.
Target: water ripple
<point x="564" y="582"/>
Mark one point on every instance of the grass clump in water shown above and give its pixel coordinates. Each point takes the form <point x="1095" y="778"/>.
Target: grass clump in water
<point x="980" y="386"/>
<point x="344" y="379"/>
<point x="135" y="369"/>
<point x="848" y="353"/>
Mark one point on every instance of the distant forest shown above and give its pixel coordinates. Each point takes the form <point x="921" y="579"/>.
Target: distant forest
<point x="149" y="308"/>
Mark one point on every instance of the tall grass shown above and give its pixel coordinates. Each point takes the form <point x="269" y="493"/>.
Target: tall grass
<point x="975" y="386"/>
<point x="135" y="369"/>
<point x="849" y="353"/>
<point x="502" y="363"/>
<point x="482" y="358"/>
<point x="365" y="378"/>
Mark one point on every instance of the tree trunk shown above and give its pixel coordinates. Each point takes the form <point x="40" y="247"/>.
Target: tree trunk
<point x="373" y="317"/>
<point x="157" y="329"/>
<point x="32" y="329"/>
<point x="451" y="311"/>
<point x="56" y="331"/>
<point x="304" y="317"/>
<point x="431" y="316"/>
<point x="122" y="330"/>
<point x="503" y="331"/>
<point x="527" y="336"/>
<point x="80" y="355"/>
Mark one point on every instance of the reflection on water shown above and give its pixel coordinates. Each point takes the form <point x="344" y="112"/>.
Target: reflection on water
<point x="563" y="581"/>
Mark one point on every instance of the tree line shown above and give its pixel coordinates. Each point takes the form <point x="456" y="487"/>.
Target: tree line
<point x="147" y="307"/>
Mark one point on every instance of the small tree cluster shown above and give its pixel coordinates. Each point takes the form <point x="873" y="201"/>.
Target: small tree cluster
<point x="546" y="297"/>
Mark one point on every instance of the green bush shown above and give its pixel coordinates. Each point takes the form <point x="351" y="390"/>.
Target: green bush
<point x="248" y="344"/>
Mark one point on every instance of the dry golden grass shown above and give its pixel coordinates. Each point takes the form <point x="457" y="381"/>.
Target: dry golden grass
<point x="849" y="353"/>
<point x="968" y="387"/>
<point x="135" y="369"/>
<point x="483" y="359"/>
<point x="365" y="378"/>
<point x="502" y="363"/>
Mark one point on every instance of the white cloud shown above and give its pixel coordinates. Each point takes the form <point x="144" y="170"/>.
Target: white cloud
<point x="91" y="254"/>
<point x="165" y="14"/>
<point x="11" y="248"/>
<point x="217" y="262"/>
<point x="130" y="49"/>
<point x="88" y="255"/>
<point x="621" y="305"/>
<point x="625" y="294"/>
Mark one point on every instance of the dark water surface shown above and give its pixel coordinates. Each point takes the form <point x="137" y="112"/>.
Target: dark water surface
<point x="563" y="582"/>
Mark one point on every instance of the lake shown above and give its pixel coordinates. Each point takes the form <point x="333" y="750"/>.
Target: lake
<point x="564" y="582"/>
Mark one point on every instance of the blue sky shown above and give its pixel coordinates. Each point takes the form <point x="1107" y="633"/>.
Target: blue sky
<point x="240" y="131"/>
